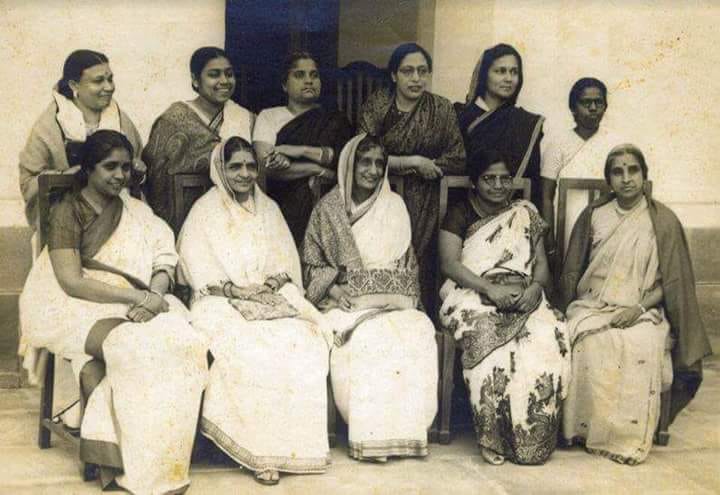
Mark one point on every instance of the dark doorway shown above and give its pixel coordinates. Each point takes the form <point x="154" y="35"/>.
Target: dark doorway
<point x="260" y="34"/>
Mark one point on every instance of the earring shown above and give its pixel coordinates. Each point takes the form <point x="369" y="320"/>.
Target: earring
<point x="75" y="94"/>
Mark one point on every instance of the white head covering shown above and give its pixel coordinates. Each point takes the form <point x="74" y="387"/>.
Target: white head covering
<point x="222" y="239"/>
<point x="381" y="224"/>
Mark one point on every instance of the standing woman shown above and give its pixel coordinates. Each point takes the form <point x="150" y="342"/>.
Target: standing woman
<point x="82" y="104"/>
<point x="183" y="137"/>
<point x="299" y="143"/>
<point x="97" y="296"/>
<point x="490" y="119"/>
<point x="420" y="132"/>
<point x="266" y="403"/>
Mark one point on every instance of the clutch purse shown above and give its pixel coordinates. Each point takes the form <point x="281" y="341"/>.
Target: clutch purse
<point x="273" y="307"/>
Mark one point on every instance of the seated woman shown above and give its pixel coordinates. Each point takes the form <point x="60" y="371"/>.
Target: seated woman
<point x="266" y="404"/>
<point x="629" y="284"/>
<point x="360" y="269"/>
<point x="420" y="132"/>
<point x="183" y="137"/>
<point x="97" y="296"/>
<point x="515" y="354"/>
<point x="299" y="143"/>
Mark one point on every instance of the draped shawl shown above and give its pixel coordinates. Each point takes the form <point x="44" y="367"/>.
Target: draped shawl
<point x="678" y="284"/>
<point x="359" y="240"/>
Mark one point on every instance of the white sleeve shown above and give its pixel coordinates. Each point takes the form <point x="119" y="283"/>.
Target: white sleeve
<point x="551" y="160"/>
<point x="265" y="128"/>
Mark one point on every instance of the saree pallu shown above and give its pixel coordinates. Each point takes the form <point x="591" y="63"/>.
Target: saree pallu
<point x="180" y="142"/>
<point x="266" y="402"/>
<point x="516" y="365"/>
<point x="316" y="127"/>
<point x="511" y="130"/>
<point x="431" y="130"/>
<point x="140" y="419"/>
<point x="613" y="403"/>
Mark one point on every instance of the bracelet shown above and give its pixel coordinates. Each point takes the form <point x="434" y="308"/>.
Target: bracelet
<point x="227" y="289"/>
<point x="147" y="298"/>
<point x="324" y="158"/>
<point x="642" y="308"/>
<point x="157" y="292"/>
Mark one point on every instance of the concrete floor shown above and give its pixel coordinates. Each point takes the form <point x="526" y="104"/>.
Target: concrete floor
<point x="689" y="464"/>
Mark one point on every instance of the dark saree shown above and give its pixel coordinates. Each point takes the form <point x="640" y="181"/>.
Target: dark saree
<point x="180" y="143"/>
<point x="509" y="129"/>
<point x="430" y="130"/>
<point x="316" y="127"/>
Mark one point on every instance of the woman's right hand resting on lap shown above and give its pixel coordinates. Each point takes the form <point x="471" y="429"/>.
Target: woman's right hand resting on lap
<point x="504" y="296"/>
<point x="341" y="297"/>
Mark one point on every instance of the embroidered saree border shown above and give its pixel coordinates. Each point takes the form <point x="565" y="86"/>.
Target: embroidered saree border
<point x="244" y="457"/>
<point x="382" y="281"/>
<point x="385" y="448"/>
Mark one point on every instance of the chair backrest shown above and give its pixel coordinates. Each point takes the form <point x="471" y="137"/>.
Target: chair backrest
<point x="463" y="182"/>
<point x="594" y="189"/>
<point x="51" y="188"/>
<point x="355" y="83"/>
<point x="186" y="189"/>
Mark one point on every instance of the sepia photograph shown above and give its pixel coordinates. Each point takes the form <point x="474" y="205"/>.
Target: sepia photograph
<point x="360" y="247"/>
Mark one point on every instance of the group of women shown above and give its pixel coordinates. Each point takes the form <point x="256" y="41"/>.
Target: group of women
<point x="328" y="271"/>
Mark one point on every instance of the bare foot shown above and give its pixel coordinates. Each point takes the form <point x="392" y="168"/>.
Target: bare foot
<point x="491" y="457"/>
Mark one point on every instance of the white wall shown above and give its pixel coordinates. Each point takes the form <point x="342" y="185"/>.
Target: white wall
<point x="369" y="30"/>
<point x="149" y="44"/>
<point x="660" y="60"/>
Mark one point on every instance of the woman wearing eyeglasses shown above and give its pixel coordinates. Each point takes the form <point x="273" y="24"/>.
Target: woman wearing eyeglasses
<point x="420" y="132"/>
<point x="515" y="350"/>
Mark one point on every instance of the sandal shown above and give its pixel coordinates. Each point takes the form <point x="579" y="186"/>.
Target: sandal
<point x="267" y="477"/>
<point x="492" y="457"/>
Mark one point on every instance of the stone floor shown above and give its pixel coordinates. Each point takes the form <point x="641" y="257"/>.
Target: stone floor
<point x="689" y="464"/>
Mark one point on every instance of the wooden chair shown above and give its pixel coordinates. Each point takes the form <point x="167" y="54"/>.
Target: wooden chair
<point x="186" y="189"/>
<point x="594" y="188"/>
<point x="355" y="83"/>
<point x="446" y="342"/>
<point x="51" y="188"/>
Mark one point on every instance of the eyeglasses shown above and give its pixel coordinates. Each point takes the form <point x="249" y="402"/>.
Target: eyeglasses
<point x="408" y="71"/>
<point x="491" y="180"/>
<point x="589" y="102"/>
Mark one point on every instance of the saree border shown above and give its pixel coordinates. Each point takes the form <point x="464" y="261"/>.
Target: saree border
<point x="296" y="465"/>
<point x="386" y="448"/>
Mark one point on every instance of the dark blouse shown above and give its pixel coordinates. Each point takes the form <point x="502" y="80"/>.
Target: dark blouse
<point x="69" y="220"/>
<point x="459" y="217"/>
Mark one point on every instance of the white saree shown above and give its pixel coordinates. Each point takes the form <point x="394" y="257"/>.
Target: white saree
<point x="266" y="403"/>
<point x="384" y="378"/>
<point x="613" y="402"/>
<point x="141" y="418"/>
